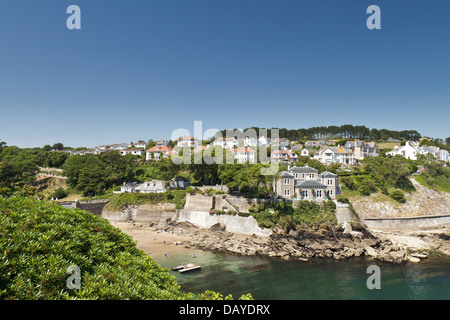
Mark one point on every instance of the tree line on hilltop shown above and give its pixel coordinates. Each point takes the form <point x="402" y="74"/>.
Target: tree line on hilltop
<point x="346" y="131"/>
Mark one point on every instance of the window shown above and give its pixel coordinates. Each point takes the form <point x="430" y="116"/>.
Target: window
<point x="331" y="193"/>
<point x="286" y="181"/>
<point x="305" y="193"/>
<point x="319" y="193"/>
<point x="287" y="192"/>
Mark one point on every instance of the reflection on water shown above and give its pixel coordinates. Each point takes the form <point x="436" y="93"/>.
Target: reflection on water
<point x="267" y="278"/>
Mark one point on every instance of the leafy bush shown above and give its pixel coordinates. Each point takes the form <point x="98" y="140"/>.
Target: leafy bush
<point x="398" y="195"/>
<point x="366" y="187"/>
<point x="58" y="193"/>
<point x="41" y="240"/>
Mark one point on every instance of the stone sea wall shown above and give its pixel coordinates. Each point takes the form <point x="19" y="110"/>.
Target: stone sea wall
<point x="230" y="223"/>
<point x="407" y="223"/>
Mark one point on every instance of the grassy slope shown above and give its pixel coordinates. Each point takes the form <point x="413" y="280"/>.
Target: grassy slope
<point x="39" y="241"/>
<point x="438" y="183"/>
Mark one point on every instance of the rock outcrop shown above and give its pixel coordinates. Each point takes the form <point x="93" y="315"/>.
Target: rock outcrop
<point x="304" y="244"/>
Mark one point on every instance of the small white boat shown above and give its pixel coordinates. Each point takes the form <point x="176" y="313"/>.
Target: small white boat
<point x="186" y="268"/>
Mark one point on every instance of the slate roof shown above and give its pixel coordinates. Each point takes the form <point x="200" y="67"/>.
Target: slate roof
<point x="310" y="183"/>
<point x="286" y="174"/>
<point x="304" y="170"/>
<point x="327" y="174"/>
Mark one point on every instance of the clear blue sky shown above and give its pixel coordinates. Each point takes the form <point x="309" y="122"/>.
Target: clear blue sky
<point x="140" y="69"/>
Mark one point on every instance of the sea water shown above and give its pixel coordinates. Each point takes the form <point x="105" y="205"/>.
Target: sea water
<point x="324" y="279"/>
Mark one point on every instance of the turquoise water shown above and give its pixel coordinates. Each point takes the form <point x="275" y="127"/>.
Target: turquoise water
<point x="274" y="279"/>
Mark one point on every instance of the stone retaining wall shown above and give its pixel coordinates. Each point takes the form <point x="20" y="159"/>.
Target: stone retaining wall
<point x="236" y="224"/>
<point x="198" y="202"/>
<point x="143" y="213"/>
<point x="94" y="206"/>
<point x="409" y="223"/>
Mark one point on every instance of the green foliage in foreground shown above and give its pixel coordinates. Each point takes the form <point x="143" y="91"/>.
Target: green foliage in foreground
<point x="40" y="240"/>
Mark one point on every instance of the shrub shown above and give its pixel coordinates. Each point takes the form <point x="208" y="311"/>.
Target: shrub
<point x="59" y="193"/>
<point x="398" y="195"/>
<point x="41" y="240"/>
<point x="367" y="187"/>
<point x="348" y="182"/>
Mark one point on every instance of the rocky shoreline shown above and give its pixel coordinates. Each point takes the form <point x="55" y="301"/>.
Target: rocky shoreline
<point x="324" y="242"/>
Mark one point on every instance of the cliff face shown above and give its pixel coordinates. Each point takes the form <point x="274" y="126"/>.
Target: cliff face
<point x="420" y="203"/>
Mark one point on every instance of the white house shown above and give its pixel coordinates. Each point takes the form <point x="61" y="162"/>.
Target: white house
<point x="437" y="152"/>
<point x="306" y="152"/>
<point x="90" y="151"/>
<point x="284" y="156"/>
<point x="330" y="155"/>
<point x="128" y="187"/>
<point x="136" y="152"/>
<point x="139" y="145"/>
<point x="243" y="154"/>
<point x="119" y="146"/>
<point x="412" y="149"/>
<point x="226" y="143"/>
<point x="157" y="152"/>
<point x="154" y="186"/>
<point x="409" y="151"/>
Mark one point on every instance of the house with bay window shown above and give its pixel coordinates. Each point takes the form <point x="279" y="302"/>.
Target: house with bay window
<point x="305" y="183"/>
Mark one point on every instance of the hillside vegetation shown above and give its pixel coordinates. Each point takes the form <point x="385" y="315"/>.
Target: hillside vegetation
<point x="117" y="201"/>
<point x="39" y="241"/>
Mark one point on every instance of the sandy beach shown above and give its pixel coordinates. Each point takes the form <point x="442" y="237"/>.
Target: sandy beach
<point x="156" y="242"/>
